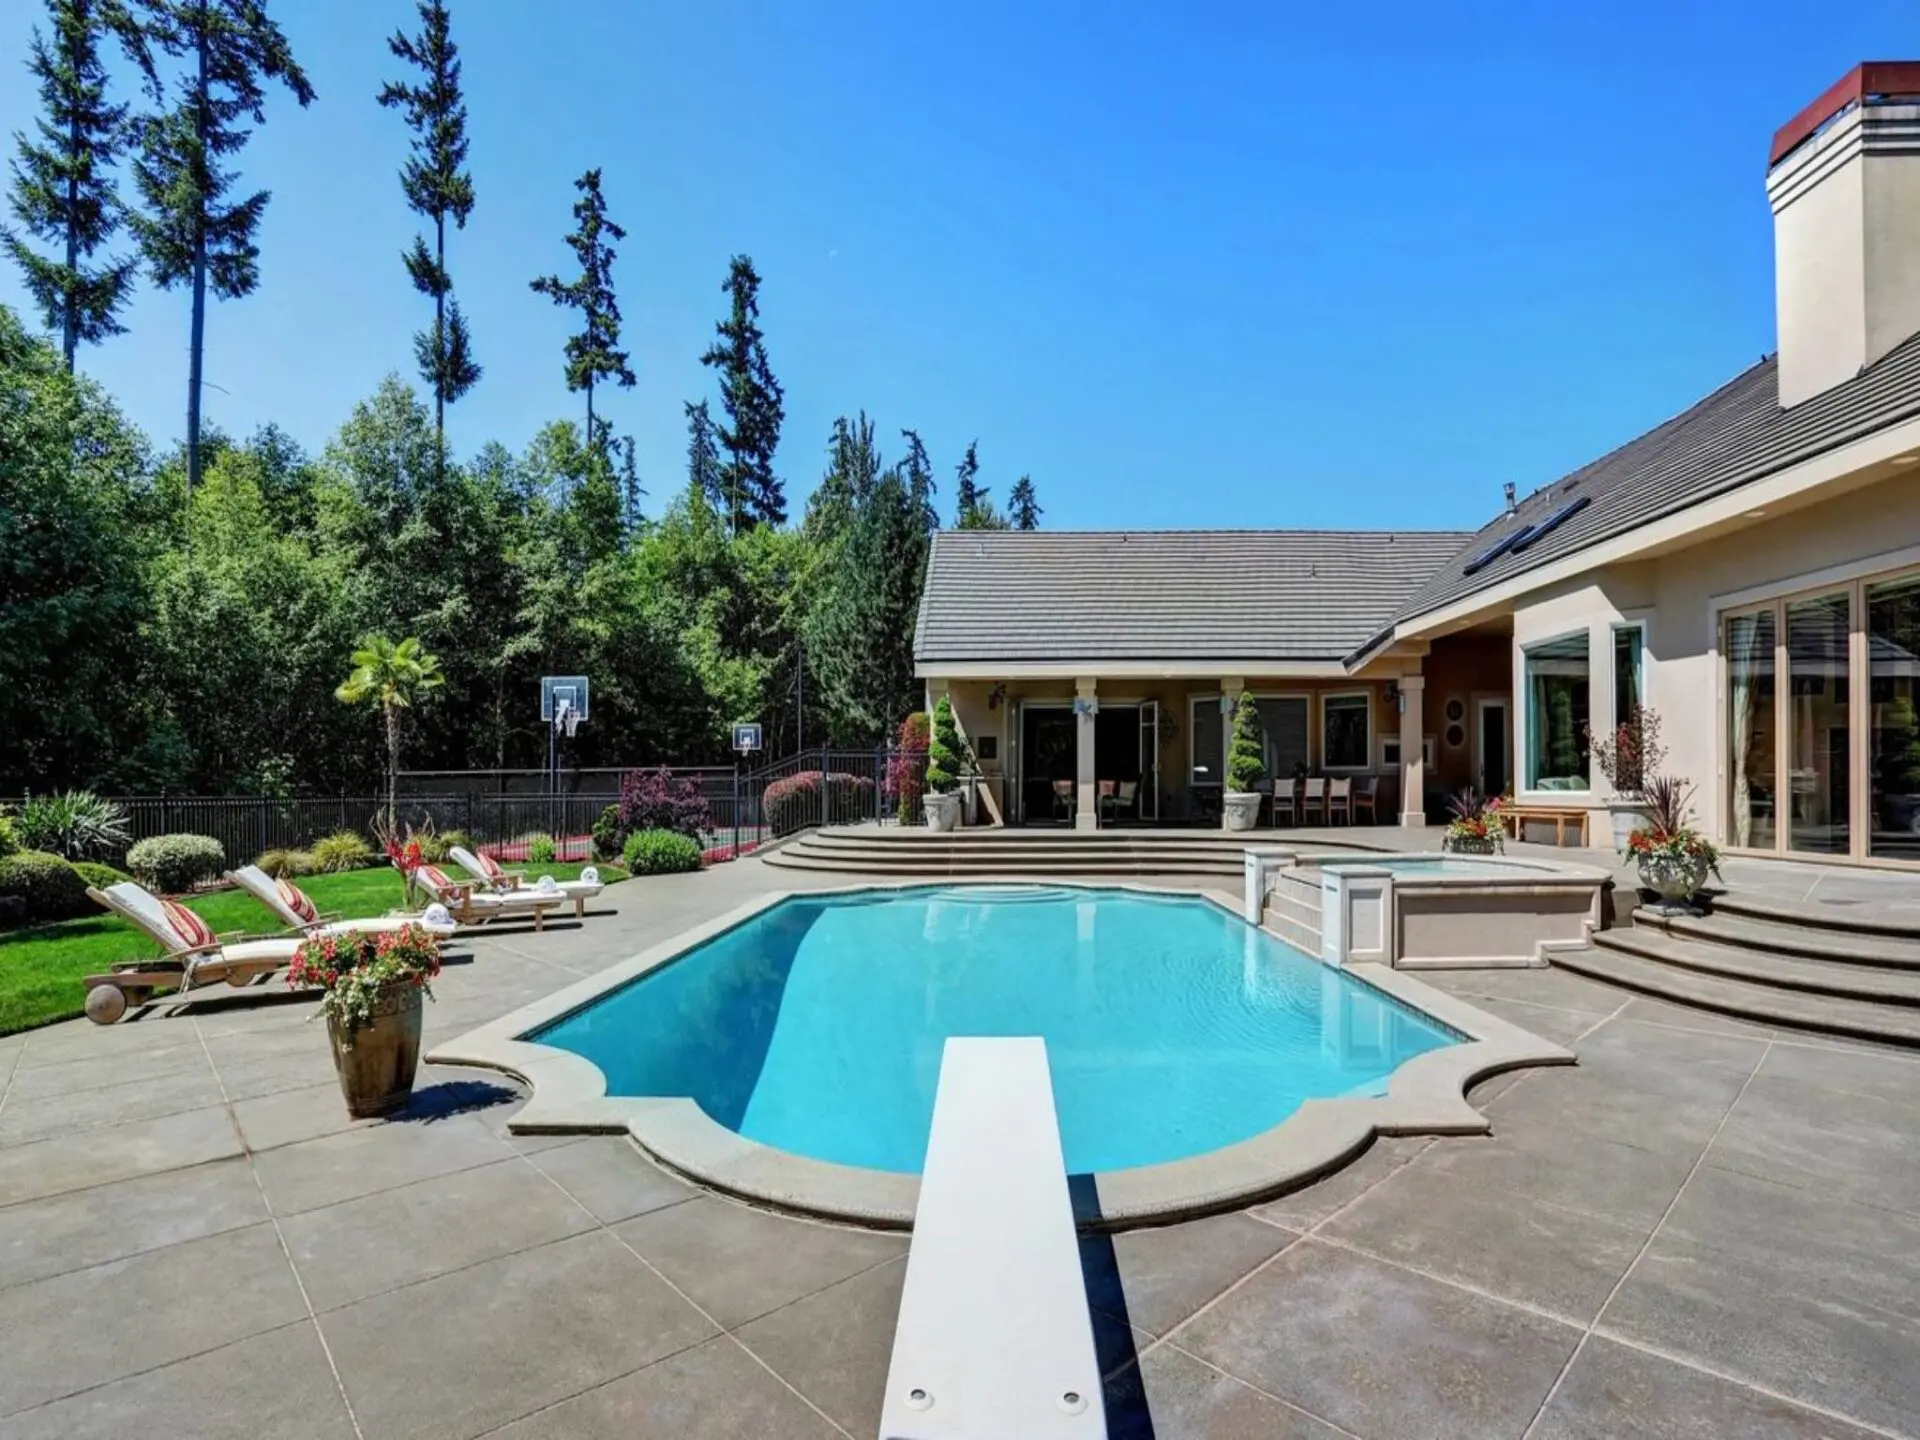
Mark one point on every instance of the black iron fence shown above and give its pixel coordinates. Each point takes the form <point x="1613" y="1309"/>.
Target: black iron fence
<point x="745" y="807"/>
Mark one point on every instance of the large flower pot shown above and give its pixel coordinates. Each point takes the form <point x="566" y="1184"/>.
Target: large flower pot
<point x="943" y="812"/>
<point x="1675" y="879"/>
<point x="1629" y="813"/>
<point x="1241" y="809"/>
<point x="1471" y="844"/>
<point x="376" y="1064"/>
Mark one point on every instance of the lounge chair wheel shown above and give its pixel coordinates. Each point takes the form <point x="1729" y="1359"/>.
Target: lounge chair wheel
<point x="106" y="1004"/>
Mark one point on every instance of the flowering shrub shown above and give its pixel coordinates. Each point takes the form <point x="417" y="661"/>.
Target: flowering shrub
<point x="906" y="778"/>
<point x="1476" y="823"/>
<point x="355" y="968"/>
<point x="1667" y="837"/>
<point x="1632" y="755"/>
<point x="654" y="800"/>
<point x="404" y="850"/>
<point x="813" y="798"/>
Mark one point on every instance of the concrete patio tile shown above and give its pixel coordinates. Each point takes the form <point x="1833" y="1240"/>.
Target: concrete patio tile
<point x="1857" y="1147"/>
<point x="362" y="1247"/>
<point x="1697" y="1064"/>
<point x="1305" y="1208"/>
<point x="1170" y="1394"/>
<point x="69" y="1069"/>
<point x="1883" y="1074"/>
<point x="1496" y="1239"/>
<point x="1380" y="1351"/>
<point x="289" y="1116"/>
<point x="835" y="1345"/>
<point x="1646" y="1009"/>
<point x="1615" y="1390"/>
<point x="739" y="1263"/>
<point x="86" y="1327"/>
<point x="714" y="1391"/>
<point x="275" y="1384"/>
<point x="1582" y="1101"/>
<point x="359" y="1162"/>
<point x="37" y="1116"/>
<point x="1153" y="1279"/>
<point x="1538" y="985"/>
<point x="1788" y="1317"/>
<point x="98" y="1157"/>
<point x="609" y="1176"/>
<point x="107" y="1222"/>
<point x="1602" y="1178"/>
<point x="470" y="1351"/>
<point x="1549" y="1022"/>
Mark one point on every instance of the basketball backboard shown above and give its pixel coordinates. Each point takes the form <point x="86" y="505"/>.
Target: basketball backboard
<point x="558" y="690"/>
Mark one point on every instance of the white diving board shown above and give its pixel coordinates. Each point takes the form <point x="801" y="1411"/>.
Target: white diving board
<point x="994" y="1341"/>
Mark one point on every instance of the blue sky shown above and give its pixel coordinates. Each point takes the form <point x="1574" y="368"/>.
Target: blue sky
<point x="1233" y="265"/>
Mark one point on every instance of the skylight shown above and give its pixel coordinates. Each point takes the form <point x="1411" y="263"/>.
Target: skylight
<point x="1539" y="529"/>
<point x="1494" y="551"/>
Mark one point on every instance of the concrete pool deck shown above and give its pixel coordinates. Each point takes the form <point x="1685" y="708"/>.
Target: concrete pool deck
<point x="1706" y="1228"/>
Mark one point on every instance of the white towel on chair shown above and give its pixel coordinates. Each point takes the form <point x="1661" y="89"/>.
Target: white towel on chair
<point x="548" y="885"/>
<point x="438" y="915"/>
<point x="590" y="875"/>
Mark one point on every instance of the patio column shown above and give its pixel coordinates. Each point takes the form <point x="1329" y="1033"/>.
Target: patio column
<point x="1230" y="693"/>
<point x="1086" y="808"/>
<point x="1413" y="763"/>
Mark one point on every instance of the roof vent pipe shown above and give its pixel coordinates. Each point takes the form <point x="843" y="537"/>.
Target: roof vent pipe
<point x="1510" y="505"/>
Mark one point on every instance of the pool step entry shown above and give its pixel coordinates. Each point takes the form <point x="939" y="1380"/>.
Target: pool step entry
<point x="1294" y="908"/>
<point x="994" y="1337"/>
<point x="1851" y="979"/>
<point x="914" y="851"/>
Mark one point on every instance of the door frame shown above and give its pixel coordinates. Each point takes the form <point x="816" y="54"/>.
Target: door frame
<point x="1481" y="704"/>
<point x="1020" y="731"/>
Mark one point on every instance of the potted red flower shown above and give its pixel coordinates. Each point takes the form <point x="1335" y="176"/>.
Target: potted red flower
<point x="374" y="984"/>
<point x="1476" y="827"/>
<point x="1673" y="858"/>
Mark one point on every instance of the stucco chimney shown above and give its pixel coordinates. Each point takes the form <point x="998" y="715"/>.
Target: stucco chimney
<point x="1844" y="181"/>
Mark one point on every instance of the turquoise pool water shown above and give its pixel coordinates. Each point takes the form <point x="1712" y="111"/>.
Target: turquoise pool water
<point x="1435" y="865"/>
<point x="1172" y="1027"/>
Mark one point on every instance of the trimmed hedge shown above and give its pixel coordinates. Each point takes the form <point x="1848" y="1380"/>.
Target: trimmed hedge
<point x="173" y="863"/>
<point x="9" y="841"/>
<point x="342" y="850"/>
<point x="814" y="798"/>
<point x="661" y="852"/>
<point x="286" y="864"/>
<point x="47" y="886"/>
<point x="97" y="875"/>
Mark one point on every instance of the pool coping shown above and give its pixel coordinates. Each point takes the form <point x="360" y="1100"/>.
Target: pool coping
<point x="1425" y="1095"/>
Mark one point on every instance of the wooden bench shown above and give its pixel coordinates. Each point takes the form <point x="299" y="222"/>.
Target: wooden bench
<point x="1515" y="818"/>
<point x="994" y="1337"/>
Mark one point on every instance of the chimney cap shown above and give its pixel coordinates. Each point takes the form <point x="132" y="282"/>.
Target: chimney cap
<point x="1869" y="78"/>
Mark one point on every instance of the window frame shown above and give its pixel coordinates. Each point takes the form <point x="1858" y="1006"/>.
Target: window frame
<point x="1524" y="786"/>
<point x="1326" y="754"/>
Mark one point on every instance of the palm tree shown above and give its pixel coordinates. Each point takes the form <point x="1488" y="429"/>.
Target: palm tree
<point x="390" y="677"/>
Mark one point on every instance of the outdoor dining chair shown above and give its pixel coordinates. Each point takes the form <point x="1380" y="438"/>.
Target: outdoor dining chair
<point x="1364" y="795"/>
<point x="1063" y="799"/>
<point x="1313" y="800"/>
<point x="1340" y="802"/>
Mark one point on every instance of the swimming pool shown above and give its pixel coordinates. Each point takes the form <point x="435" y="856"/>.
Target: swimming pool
<point x="1172" y="1028"/>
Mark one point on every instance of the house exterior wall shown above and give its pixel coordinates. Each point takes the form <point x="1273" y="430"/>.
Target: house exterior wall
<point x="1679" y="599"/>
<point x="1460" y="670"/>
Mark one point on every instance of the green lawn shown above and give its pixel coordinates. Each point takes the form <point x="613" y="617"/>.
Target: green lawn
<point x="41" y="968"/>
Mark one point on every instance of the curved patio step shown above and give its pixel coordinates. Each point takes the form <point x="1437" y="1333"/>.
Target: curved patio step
<point x="1815" y="915"/>
<point x="1764" y="967"/>
<point x="1813" y="942"/>
<point x="1763" y="1004"/>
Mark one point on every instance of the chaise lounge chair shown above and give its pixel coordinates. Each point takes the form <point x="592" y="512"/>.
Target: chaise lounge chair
<point x="194" y="957"/>
<point x="469" y="904"/>
<point x="509" y="882"/>
<point x="296" y="910"/>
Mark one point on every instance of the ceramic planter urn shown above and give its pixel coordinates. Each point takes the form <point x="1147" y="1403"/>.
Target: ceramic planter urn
<point x="1676" y="880"/>
<point x="376" y="1064"/>
<point x="1240" y="810"/>
<point x="943" y="811"/>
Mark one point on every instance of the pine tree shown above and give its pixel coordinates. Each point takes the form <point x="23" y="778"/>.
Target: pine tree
<point x="1023" y="506"/>
<point x="189" y="232"/>
<point x="968" y="496"/>
<point x="438" y="186"/>
<point x="593" y="354"/>
<point x="63" y="191"/>
<point x="703" y="455"/>
<point x="917" y="471"/>
<point x="853" y="469"/>
<point x="751" y="493"/>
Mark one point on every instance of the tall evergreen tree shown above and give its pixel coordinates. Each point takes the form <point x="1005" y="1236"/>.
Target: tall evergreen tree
<point x="63" y="191"/>
<point x="860" y="640"/>
<point x="853" y="469"/>
<point x="917" y="471"/>
<point x="1023" y="505"/>
<point x="968" y="494"/>
<point x="438" y="186"/>
<point x="751" y="493"/>
<point x="703" y="455"/>
<point x="189" y="231"/>
<point x="593" y="354"/>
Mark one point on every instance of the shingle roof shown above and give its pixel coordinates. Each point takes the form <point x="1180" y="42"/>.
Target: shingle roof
<point x="1735" y="436"/>
<point x="1285" y="595"/>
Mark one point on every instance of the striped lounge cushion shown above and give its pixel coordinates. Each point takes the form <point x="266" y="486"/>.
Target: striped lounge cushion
<point x="188" y="926"/>
<point x="434" y="878"/>
<point x="489" y="865"/>
<point x="295" y="899"/>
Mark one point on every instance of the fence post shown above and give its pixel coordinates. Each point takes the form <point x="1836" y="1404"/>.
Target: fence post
<point x="736" y="807"/>
<point x="266" y="819"/>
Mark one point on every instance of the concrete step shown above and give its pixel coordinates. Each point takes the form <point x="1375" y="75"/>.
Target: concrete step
<point x="944" y="868"/>
<point x="1865" y="919"/>
<point x="1765" y="967"/>
<point x="1839" y="947"/>
<point x="1763" y="1004"/>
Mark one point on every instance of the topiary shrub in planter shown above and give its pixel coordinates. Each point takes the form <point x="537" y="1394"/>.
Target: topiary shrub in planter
<point x="1246" y="768"/>
<point x="661" y="852"/>
<point x="907" y="769"/>
<point x="340" y="851"/>
<point x="944" y="763"/>
<point x="45" y="886"/>
<point x="812" y="798"/>
<point x="654" y="800"/>
<point x="170" y="864"/>
<point x="609" y="835"/>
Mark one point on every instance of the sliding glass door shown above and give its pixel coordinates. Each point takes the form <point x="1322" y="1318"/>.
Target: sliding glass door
<point x="1893" y="703"/>
<point x="1819" y="767"/>
<point x="1750" y="729"/>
